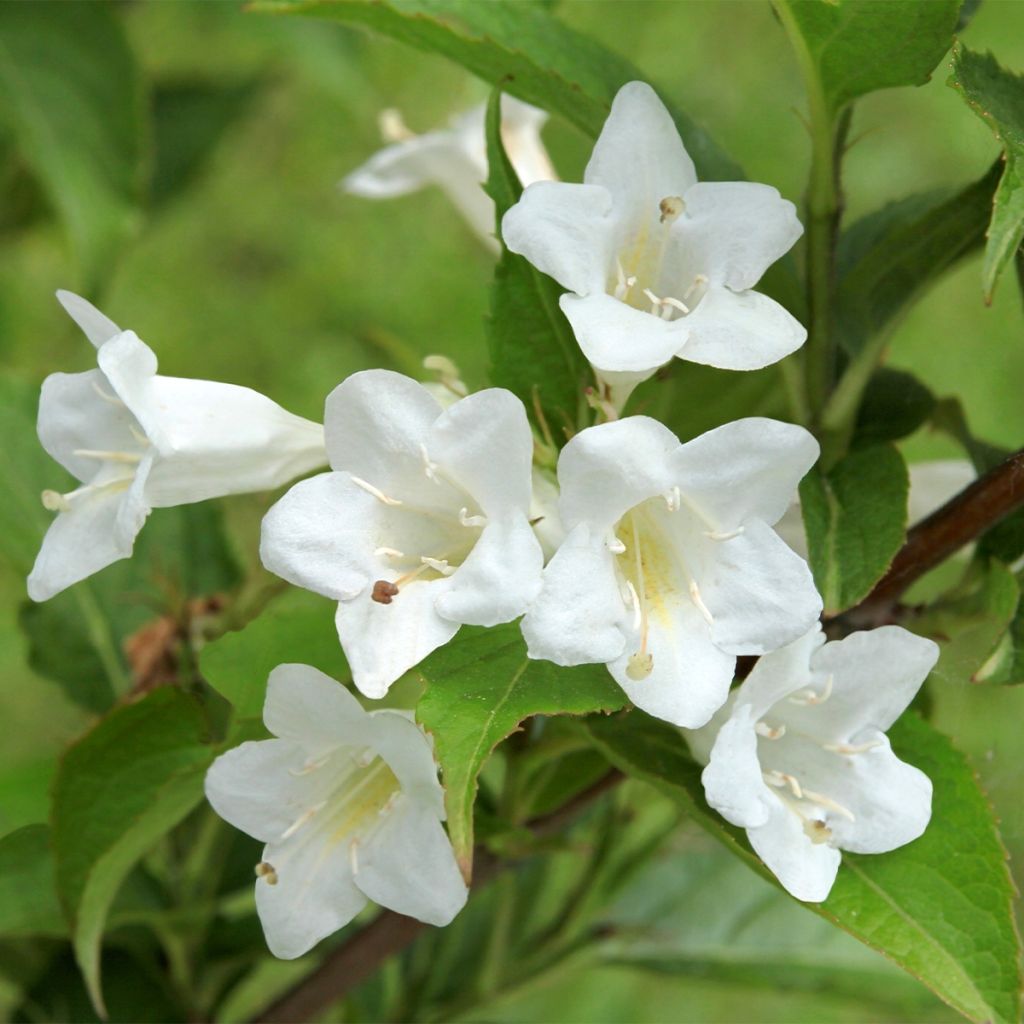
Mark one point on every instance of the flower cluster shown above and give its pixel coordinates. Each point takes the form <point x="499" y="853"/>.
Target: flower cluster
<point x="654" y="557"/>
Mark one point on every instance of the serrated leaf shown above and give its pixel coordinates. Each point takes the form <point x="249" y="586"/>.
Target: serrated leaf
<point x="940" y="907"/>
<point x="997" y="97"/>
<point x="299" y="627"/>
<point x="28" y="896"/>
<point x="854" y="47"/>
<point x="71" y="94"/>
<point x="888" y="258"/>
<point x="533" y="350"/>
<point x="520" y="47"/>
<point x="480" y="687"/>
<point x="855" y="516"/>
<point x="118" y="790"/>
<point x="1005" y="666"/>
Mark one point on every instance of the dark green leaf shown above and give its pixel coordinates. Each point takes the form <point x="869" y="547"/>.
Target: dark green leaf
<point x="28" y="896"/>
<point x="855" y="517"/>
<point x="894" y="405"/>
<point x="520" y="47"/>
<point x="118" y="790"/>
<point x="853" y="47"/>
<point x="479" y="688"/>
<point x="533" y="349"/>
<point x="940" y="907"/>
<point x="71" y="94"/>
<point x="997" y="97"/>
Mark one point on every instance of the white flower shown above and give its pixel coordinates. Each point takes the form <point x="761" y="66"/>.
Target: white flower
<point x="800" y="759"/>
<point x="349" y="805"/>
<point x="670" y="567"/>
<point x="138" y="441"/>
<point x="422" y="526"/>
<point x="455" y="158"/>
<point x="656" y="264"/>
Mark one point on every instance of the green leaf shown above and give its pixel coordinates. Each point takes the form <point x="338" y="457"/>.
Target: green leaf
<point x="1005" y="666"/>
<point x="298" y="627"/>
<point x="28" y="897"/>
<point x="997" y="97"/>
<point x="971" y="623"/>
<point x="887" y="259"/>
<point x="71" y="94"/>
<point x="533" y="350"/>
<point x="940" y="907"/>
<point x="894" y="405"/>
<point x="853" y="47"/>
<point x="855" y="517"/>
<point x="520" y="47"/>
<point x="480" y="687"/>
<point x="118" y="790"/>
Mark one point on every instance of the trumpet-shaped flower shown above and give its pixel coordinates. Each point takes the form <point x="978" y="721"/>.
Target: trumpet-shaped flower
<point x="349" y="806"/>
<point x="422" y="526"/>
<point x="137" y="441"/>
<point x="455" y="159"/>
<point x="655" y="263"/>
<point x="670" y="567"/>
<point x="800" y="759"/>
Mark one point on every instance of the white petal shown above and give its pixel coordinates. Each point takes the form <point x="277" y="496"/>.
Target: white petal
<point x="639" y="156"/>
<point x="605" y="470"/>
<point x="732" y="779"/>
<point x="701" y="741"/>
<point x="618" y="338"/>
<point x="409" y="165"/>
<point x="75" y="416"/>
<point x="806" y="870"/>
<point x="314" y="895"/>
<point x="96" y="327"/>
<point x="219" y="439"/>
<point x="740" y="331"/>
<point x="321" y="536"/>
<point x="308" y="707"/>
<point x="499" y="579"/>
<point x="408" y="752"/>
<point x="736" y="230"/>
<point x="579" y="616"/>
<point x="129" y="365"/>
<point x="759" y="593"/>
<point x="746" y="469"/>
<point x="408" y="865"/>
<point x="690" y="677"/>
<point x="547" y="524"/>
<point x="566" y="231"/>
<point x="520" y="132"/>
<point x="382" y="642"/>
<point x="484" y="445"/>
<point x="781" y="673"/>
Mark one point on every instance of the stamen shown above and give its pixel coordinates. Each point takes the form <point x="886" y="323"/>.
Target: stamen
<point x="388" y="553"/>
<point x="615" y="546"/>
<point x="392" y="127"/>
<point x="624" y="284"/>
<point x="90" y="453"/>
<point x="781" y="780"/>
<point x="301" y="820"/>
<point x="808" y="698"/>
<point x="676" y="304"/>
<point x="383" y="592"/>
<point x="671" y="207"/>
<point x="699" y="602"/>
<point x="447" y="373"/>
<point x="640" y="665"/>
<point x="700" y="281"/>
<point x="673" y="499"/>
<point x="817" y="831"/>
<point x="851" y="748"/>
<point x="370" y="489"/>
<point x="634" y="603"/>
<point x="54" y="501"/>
<point x="267" y="872"/>
<point x="353" y="856"/>
<point x="825" y="801"/>
<point x="429" y="466"/>
<point x="641" y="662"/>
<point x="438" y="564"/>
<point x="716" y="535"/>
<point x="467" y="520"/>
<point x="653" y="299"/>
<point x="765" y="730"/>
<point x="667" y="305"/>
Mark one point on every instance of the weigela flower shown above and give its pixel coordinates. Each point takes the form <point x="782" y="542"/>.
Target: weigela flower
<point x="349" y="805"/>
<point x="455" y="159"/>
<point x="656" y="263"/>
<point x="422" y="526"/>
<point x="670" y="567"/>
<point x="800" y="759"/>
<point x="137" y="441"/>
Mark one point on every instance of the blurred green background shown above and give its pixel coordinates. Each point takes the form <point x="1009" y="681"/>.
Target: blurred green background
<point x="263" y="273"/>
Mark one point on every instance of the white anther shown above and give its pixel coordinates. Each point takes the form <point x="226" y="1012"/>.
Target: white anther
<point x="467" y="520"/>
<point x="811" y="697"/>
<point x="653" y="299"/>
<point x="92" y="453"/>
<point x="825" y="801"/>
<point x="392" y="127"/>
<point x="765" y="730"/>
<point x="640" y="665"/>
<point x="440" y="364"/>
<point x="699" y="602"/>
<point x="623" y="283"/>
<point x="370" y="489"/>
<point x="353" y="856"/>
<point x="673" y="499"/>
<point x="700" y="281"/>
<point x="727" y="535"/>
<point x="301" y="820"/>
<point x="429" y="466"/>
<point x="54" y="501"/>
<point x="388" y="553"/>
<point x="675" y="304"/>
<point x="634" y="602"/>
<point x="781" y="780"/>
<point x="851" y="748"/>
<point x="615" y="546"/>
<point x="438" y="565"/>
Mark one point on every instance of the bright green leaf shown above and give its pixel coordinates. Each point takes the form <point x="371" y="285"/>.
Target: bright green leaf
<point x="855" y="517"/>
<point x="480" y="687"/>
<point x="71" y="94"/>
<point x="520" y="47"/>
<point x="940" y="907"/>
<point x="28" y="897"/>
<point x="997" y="97"/>
<point x="118" y="790"/>
<point x="534" y="352"/>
